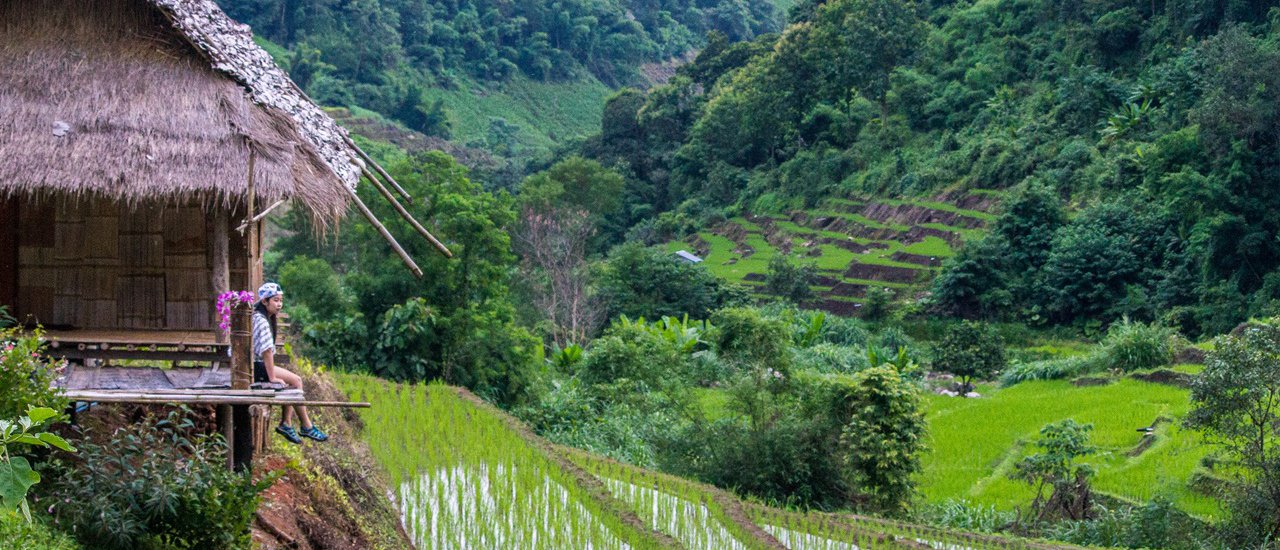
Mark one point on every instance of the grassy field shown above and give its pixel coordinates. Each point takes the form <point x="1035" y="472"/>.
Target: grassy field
<point x="548" y="113"/>
<point x="974" y="443"/>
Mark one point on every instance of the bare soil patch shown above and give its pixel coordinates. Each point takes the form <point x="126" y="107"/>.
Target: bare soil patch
<point x="918" y="259"/>
<point x="1164" y="376"/>
<point x="887" y="273"/>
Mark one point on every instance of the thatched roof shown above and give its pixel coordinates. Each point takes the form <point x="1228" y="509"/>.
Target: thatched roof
<point x="149" y="99"/>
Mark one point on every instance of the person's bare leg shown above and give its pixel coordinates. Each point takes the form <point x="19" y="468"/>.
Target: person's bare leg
<point x="293" y="381"/>
<point x="304" y="420"/>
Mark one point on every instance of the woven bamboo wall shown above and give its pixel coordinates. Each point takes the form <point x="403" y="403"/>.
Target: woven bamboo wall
<point x="8" y="252"/>
<point x="98" y="264"/>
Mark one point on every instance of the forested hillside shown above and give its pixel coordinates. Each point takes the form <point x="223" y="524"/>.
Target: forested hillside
<point x="514" y="78"/>
<point x="1133" y="145"/>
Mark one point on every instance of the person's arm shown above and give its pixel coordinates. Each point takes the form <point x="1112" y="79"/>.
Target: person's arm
<point x="264" y="346"/>
<point x="269" y="359"/>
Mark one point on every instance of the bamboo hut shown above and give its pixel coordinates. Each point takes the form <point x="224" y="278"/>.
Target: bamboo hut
<point x="142" y="143"/>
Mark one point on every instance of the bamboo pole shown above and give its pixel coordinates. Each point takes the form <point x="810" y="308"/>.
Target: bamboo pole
<point x="241" y="347"/>
<point x="407" y="216"/>
<point x="261" y="215"/>
<point x="370" y="162"/>
<point x="253" y="242"/>
<point x="408" y="261"/>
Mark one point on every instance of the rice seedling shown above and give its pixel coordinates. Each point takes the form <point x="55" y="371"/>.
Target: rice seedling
<point x="684" y="517"/>
<point x="464" y="479"/>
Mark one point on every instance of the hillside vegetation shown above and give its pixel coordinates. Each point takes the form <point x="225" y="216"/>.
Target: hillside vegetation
<point x="516" y="78"/>
<point x="1136" y="142"/>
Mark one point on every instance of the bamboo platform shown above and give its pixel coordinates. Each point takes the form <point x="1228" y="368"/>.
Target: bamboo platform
<point x="197" y="385"/>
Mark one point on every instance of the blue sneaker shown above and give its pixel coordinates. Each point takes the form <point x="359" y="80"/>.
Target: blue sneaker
<point x="289" y="433"/>
<point x="314" y="433"/>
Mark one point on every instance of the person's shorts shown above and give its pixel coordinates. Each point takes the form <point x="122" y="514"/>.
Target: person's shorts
<point x="260" y="372"/>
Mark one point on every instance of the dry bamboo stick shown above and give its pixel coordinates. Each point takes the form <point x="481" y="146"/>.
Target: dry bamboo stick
<point x="407" y="216"/>
<point x="260" y="215"/>
<point x="417" y="271"/>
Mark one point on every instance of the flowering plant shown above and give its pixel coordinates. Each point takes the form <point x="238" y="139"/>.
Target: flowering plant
<point x="27" y="374"/>
<point x="229" y="300"/>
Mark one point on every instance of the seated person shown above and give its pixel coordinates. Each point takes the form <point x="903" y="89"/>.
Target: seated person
<point x="270" y="302"/>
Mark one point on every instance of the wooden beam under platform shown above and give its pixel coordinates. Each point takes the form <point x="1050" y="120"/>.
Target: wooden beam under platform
<point x="207" y="397"/>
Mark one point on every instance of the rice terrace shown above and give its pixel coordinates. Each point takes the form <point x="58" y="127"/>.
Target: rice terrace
<point x="624" y="274"/>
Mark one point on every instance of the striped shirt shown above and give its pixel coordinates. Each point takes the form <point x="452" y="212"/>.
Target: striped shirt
<point x="262" y="338"/>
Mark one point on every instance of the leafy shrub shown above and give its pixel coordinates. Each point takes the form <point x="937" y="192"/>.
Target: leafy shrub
<point x="315" y="289"/>
<point x="967" y="516"/>
<point x="632" y="353"/>
<point x="843" y="331"/>
<point x="572" y="414"/>
<point x="1131" y="346"/>
<point x="878" y="305"/>
<point x="788" y="461"/>
<point x="17" y="532"/>
<point x="893" y="338"/>
<point x="25" y="377"/>
<point x="16" y="475"/>
<point x="883" y="439"/>
<point x="789" y="281"/>
<point x="153" y="485"/>
<point x="1050" y="369"/>
<point x="750" y="341"/>
<point x="1157" y="524"/>
<point x="831" y="359"/>
<point x="1054" y="469"/>
<point x="970" y="351"/>
<point x="1234" y="402"/>
<point x="650" y="282"/>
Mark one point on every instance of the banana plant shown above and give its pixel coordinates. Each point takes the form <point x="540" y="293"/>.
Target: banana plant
<point x="16" y="475"/>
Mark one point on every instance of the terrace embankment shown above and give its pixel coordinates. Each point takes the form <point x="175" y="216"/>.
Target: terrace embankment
<point x="332" y="497"/>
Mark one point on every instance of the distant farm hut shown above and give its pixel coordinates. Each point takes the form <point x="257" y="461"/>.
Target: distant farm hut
<point x="138" y="138"/>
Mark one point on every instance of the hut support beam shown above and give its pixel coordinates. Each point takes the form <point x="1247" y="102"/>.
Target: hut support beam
<point x="406" y="215"/>
<point x="220" y="251"/>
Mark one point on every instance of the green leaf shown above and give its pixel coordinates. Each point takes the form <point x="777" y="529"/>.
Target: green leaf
<point x="57" y="441"/>
<point x="30" y="440"/>
<point x="40" y="414"/>
<point x="16" y="477"/>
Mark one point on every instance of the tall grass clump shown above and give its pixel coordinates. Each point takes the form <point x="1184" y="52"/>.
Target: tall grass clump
<point x="1131" y="346"/>
<point x="1050" y="369"/>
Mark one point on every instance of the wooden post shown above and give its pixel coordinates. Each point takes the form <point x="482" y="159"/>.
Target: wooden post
<point x="241" y="346"/>
<point x="243" y="436"/>
<point x="220" y="277"/>
<point x="241" y="430"/>
<point x="254" y="241"/>
<point x="228" y="434"/>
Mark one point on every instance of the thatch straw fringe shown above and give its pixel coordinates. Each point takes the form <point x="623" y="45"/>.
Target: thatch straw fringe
<point x="104" y="98"/>
<point x="230" y="46"/>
